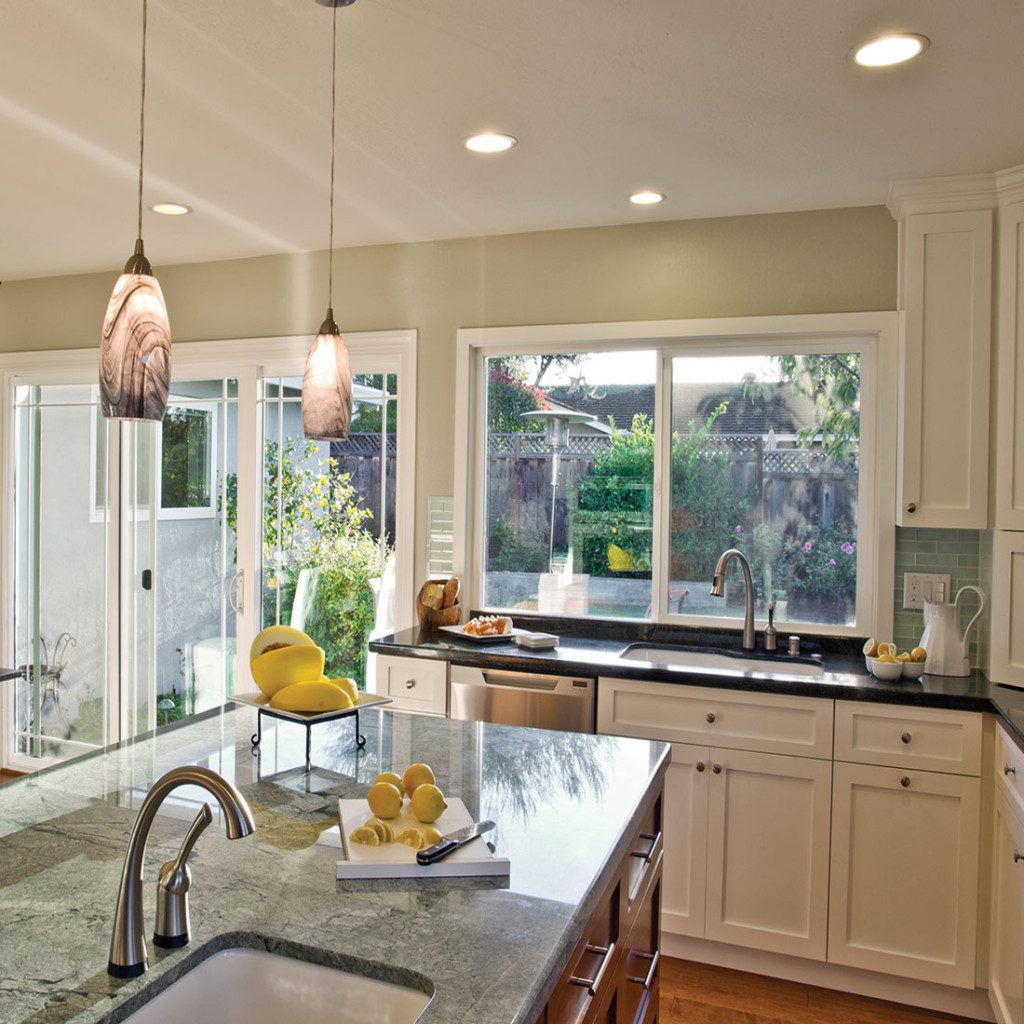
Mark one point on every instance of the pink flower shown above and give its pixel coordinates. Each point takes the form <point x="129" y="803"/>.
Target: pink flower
<point x="847" y="548"/>
<point x="739" y="529"/>
<point x="807" y="547"/>
<point x="831" y="561"/>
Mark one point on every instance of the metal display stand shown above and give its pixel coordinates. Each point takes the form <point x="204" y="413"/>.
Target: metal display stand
<point x="261" y="702"/>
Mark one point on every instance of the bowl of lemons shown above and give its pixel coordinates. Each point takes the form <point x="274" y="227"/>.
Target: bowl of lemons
<point x="885" y="662"/>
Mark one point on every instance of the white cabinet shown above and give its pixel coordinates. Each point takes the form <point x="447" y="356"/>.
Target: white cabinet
<point x="1007" y="665"/>
<point x="767" y="856"/>
<point x="1006" y="937"/>
<point x="684" y="826"/>
<point x="945" y="354"/>
<point x="413" y="684"/>
<point x="904" y="880"/>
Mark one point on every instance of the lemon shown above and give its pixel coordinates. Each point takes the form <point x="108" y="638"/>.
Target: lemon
<point x="886" y="659"/>
<point x="365" y="835"/>
<point x="417" y="775"/>
<point x="889" y="648"/>
<point x="385" y="833"/>
<point x="918" y="654"/>
<point x="427" y="803"/>
<point x="432" y="835"/>
<point x="410" y="837"/>
<point x="309" y="696"/>
<point x="276" y="669"/>
<point x="393" y="777"/>
<point x="384" y="799"/>
<point x="871" y="648"/>
<point x="349" y="686"/>
<point x="903" y="657"/>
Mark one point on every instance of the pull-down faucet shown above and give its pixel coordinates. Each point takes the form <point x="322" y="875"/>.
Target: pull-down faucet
<point x="718" y="590"/>
<point x="128" y="957"/>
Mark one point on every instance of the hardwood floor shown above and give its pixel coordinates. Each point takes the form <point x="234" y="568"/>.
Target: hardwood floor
<point x="6" y="776"/>
<point x="697" y="994"/>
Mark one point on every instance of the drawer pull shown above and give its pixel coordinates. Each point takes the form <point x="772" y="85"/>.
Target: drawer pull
<point x="1017" y="856"/>
<point x="717" y="769"/>
<point x="906" y="737"/>
<point x="711" y="717"/>
<point x="649" y="980"/>
<point x="410" y="684"/>
<point x="1008" y="769"/>
<point x="594" y="983"/>
<point x="911" y="508"/>
<point x="653" y="840"/>
<point x="700" y="766"/>
<point x="905" y="782"/>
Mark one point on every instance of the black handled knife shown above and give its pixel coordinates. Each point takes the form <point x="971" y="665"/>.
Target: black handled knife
<point x="452" y="841"/>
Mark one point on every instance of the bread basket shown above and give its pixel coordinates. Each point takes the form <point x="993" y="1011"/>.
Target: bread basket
<point x="432" y="618"/>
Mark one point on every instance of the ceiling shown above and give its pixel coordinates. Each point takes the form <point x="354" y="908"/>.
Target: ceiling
<point x="728" y="106"/>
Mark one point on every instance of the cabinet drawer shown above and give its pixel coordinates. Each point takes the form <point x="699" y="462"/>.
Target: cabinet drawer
<point x="638" y="981"/>
<point x="930" y="739"/>
<point x="591" y="973"/>
<point x="414" y="684"/>
<point x="1009" y="769"/>
<point x="734" y="719"/>
<point x="644" y="858"/>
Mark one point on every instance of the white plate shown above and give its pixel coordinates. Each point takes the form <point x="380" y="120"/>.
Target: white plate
<point x="501" y="638"/>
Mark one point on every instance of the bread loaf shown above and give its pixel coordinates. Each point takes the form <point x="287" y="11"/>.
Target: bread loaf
<point x="451" y="591"/>
<point x="432" y="596"/>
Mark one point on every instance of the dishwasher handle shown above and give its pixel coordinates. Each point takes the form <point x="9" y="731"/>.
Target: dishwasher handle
<point x="496" y="679"/>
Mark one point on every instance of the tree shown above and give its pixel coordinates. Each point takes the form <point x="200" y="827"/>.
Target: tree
<point x="833" y="381"/>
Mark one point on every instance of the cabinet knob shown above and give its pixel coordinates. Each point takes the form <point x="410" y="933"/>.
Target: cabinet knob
<point x="410" y="683"/>
<point x="717" y="769"/>
<point x="700" y="766"/>
<point x="1017" y="856"/>
<point x="1008" y="769"/>
<point x="911" y="508"/>
<point x="906" y="737"/>
<point x="711" y="717"/>
<point x="905" y="782"/>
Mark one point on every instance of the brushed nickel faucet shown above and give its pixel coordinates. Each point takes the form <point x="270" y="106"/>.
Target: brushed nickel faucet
<point x="718" y="590"/>
<point x="128" y="958"/>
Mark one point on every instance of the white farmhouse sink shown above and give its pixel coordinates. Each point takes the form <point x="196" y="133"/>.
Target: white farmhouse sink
<point x="251" y="986"/>
<point x="709" y="659"/>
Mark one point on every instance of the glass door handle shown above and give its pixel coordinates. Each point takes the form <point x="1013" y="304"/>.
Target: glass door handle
<point x="236" y="592"/>
<point x="147" y="579"/>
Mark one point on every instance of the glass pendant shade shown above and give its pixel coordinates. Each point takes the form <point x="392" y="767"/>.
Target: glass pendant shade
<point x="135" y="346"/>
<point x="327" y="386"/>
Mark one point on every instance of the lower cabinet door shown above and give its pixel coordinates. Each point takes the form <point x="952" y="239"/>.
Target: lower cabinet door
<point x="639" y="980"/>
<point x="685" y="834"/>
<point x="904" y="881"/>
<point x="1006" y="943"/>
<point x="767" y="856"/>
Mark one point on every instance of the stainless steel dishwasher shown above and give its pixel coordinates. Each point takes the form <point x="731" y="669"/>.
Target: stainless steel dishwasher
<point x="522" y="698"/>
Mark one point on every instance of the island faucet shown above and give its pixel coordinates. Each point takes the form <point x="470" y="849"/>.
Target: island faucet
<point x="128" y="957"/>
<point x="718" y="590"/>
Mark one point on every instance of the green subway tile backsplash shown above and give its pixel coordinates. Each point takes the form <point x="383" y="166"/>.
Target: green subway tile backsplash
<point x="956" y="552"/>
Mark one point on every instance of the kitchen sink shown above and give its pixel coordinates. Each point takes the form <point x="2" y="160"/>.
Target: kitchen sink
<point x="677" y="657"/>
<point x="251" y="986"/>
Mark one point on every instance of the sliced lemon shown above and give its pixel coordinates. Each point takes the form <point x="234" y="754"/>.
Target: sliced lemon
<point x="918" y="654"/>
<point x="903" y="657"/>
<point x="365" y="836"/>
<point x="871" y="648"/>
<point x="410" y="837"/>
<point x="887" y="648"/>
<point x="886" y="659"/>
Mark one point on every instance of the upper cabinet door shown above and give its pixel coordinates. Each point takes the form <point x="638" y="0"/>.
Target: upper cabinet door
<point x="1010" y="444"/>
<point x="944" y="365"/>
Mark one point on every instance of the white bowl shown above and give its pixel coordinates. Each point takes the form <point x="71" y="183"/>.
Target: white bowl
<point x="913" y="669"/>
<point x="884" y="670"/>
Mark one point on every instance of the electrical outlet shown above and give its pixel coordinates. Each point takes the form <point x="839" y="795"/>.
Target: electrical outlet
<point x="919" y="587"/>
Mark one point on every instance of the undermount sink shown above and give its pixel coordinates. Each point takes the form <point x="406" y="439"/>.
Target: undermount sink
<point x="252" y="986"/>
<point x="675" y="657"/>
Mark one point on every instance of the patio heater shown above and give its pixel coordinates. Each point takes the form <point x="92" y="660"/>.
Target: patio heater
<point x="556" y="437"/>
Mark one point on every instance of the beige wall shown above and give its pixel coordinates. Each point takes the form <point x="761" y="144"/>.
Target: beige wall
<point x="814" y="262"/>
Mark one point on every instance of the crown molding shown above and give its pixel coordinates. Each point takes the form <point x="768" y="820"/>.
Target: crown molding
<point x="942" y="195"/>
<point x="1010" y="185"/>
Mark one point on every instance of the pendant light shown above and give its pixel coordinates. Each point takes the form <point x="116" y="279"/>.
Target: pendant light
<point x="135" y="346"/>
<point x="327" y="381"/>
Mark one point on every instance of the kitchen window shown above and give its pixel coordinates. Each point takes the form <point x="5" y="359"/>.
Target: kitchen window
<point x="611" y="474"/>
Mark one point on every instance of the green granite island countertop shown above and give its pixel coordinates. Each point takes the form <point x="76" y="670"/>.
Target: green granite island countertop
<point x="565" y="805"/>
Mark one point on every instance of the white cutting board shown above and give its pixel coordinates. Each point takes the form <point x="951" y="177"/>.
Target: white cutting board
<point x="396" y="860"/>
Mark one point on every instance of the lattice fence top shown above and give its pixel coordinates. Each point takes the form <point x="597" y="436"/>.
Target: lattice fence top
<point x="363" y="445"/>
<point x="802" y="461"/>
<point x="511" y="446"/>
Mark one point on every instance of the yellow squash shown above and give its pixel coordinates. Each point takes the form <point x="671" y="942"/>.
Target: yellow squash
<point x="311" y="696"/>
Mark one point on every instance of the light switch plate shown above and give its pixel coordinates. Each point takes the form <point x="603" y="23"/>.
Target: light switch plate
<point x="919" y="587"/>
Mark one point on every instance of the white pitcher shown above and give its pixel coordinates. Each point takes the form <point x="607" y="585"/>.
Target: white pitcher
<point x="947" y="649"/>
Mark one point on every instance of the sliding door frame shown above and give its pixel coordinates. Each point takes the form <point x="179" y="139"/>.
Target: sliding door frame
<point x="247" y="360"/>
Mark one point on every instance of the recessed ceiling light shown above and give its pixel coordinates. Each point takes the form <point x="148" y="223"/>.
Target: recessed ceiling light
<point x="886" y="50"/>
<point x="171" y="209"/>
<point x="646" y="198"/>
<point x="490" y="142"/>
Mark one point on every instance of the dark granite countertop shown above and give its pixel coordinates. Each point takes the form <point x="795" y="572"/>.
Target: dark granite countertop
<point x="844" y="677"/>
<point x="565" y="806"/>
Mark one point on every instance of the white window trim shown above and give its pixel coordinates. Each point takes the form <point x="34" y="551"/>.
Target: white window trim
<point x="874" y="334"/>
<point x="247" y="360"/>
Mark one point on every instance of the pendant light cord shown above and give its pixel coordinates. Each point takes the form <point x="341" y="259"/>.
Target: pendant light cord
<point x="334" y="104"/>
<point x="142" y="114"/>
